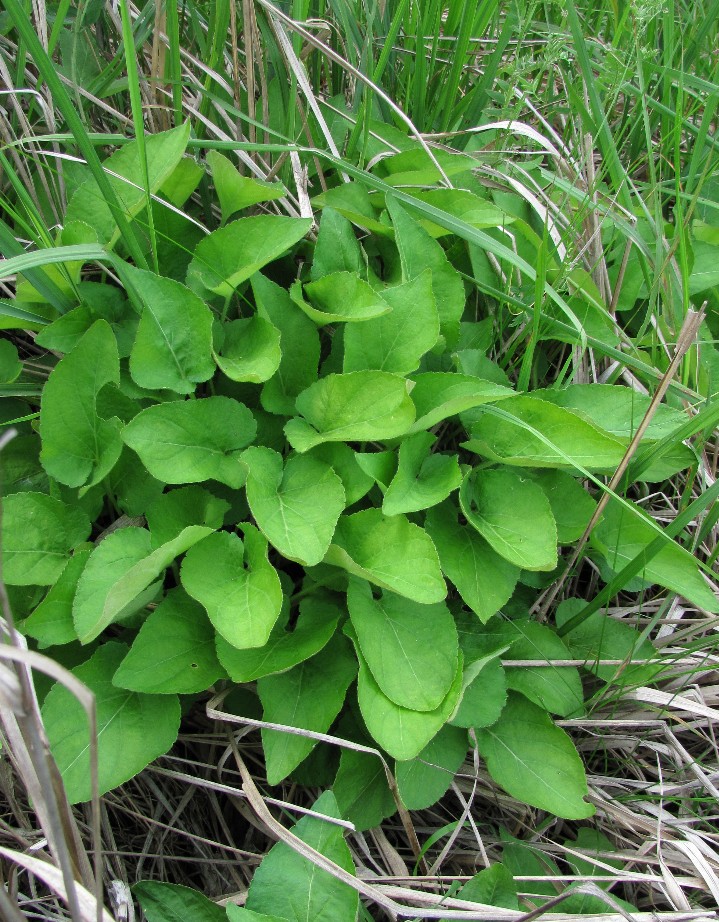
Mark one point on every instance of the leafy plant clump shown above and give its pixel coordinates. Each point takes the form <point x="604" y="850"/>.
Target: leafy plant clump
<point x="286" y="459"/>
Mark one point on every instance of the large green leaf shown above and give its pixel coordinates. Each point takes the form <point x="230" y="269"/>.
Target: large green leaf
<point x="162" y="902"/>
<point x="189" y="441"/>
<point x="173" y="345"/>
<point x="231" y="255"/>
<point x="391" y="552"/>
<point x="535" y="761"/>
<point x="361" y="789"/>
<point x="623" y="534"/>
<point x="361" y="406"/>
<point x="236" y="191"/>
<point x="397" y="341"/>
<point x="573" y="440"/>
<point x="423" y="479"/>
<point x="293" y="887"/>
<point x="299" y="343"/>
<point x="340" y="297"/>
<point x="401" y="732"/>
<point x="77" y="445"/>
<point x="314" y="627"/>
<point x="483" y="578"/>
<point x="513" y="515"/>
<point x="132" y="729"/>
<point x="191" y="505"/>
<point x="411" y="649"/>
<point x="437" y="395"/>
<point x="122" y="566"/>
<point x="571" y="505"/>
<point x="296" y="507"/>
<point x="38" y="535"/>
<point x="422" y="781"/>
<point x="51" y="622"/>
<point x="248" y="349"/>
<point x="343" y="462"/>
<point x="309" y="696"/>
<point x="236" y="584"/>
<point x="174" y="651"/>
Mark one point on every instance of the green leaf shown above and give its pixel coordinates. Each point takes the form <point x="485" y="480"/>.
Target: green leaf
<point x="571" y="505"/>
<point x="437" y="395"/>
<point x="51" y="622"/>
<point x="353" y="202"/>
<point x="299" y="342"/>
<point x="285" y="648"/>
<point x="391" y="553"/>
<point x="339" y="297"/>
<point x="484" y="580"/>
<point x="294" y="887"/>
<point x="361" y="406"/>
<point x="38" y="534"/>
<point x="361" y="789"/>
<point x="10" y="364"/>
<point x="484" y="693"/>
<point x="381" y="466"/>
<point x="236" y="191"/>
<point x="601" y="637"/>
<point x="411" y="649"/>
<point x="397" y="341"/>
<point x="132" y="487"/>
<point x="401" y="732"/>
<point x="514" y="516"/>
<point x="173" y="345"/>
<point x="174" y="652"/>
<point x="422" y="781"/>
<point x="423" y="479"/>
<point x="464" y="205"/>
<point x="249" y="350"/>
<point x="241" y="914"/>
<point x="236" y="584"/>
<point x="343" y="462"/>
<point x="535" y="761"/>
<point x="173" y="511"/>
<point x="309" y="696"/>
<point x="119" y="569"/>
<point x="297" y="507"/>
<point x="337" y="248"/>
<point x="418" y="251"/>
<point x="78" y="446"/>
<point x="190" y="441"/>
<point x="231" y="255"/>
<point x="126" y="176"/>
<point x="494" y="886"/>
<point x="132" y="729"/>
<point x="623" y="534"/>
<point x="161" y="902"/>
<point x="555" y="688"/>
<point x="577" y="441"/>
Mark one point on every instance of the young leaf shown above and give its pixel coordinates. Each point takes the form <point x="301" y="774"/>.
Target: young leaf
<point x="51" y="622"/>
<point x="132" y="729"/>
<point x="494" y="886"/>
<point x="422" y="781"/>
<point x="397" y="341"/>
<point x="411" y="649"/>
<point x="339" y="297"/>
<point x="191" y="505"/>
<point x="293" y="887"/>
<point x="299" y="343"/>
<point x="361" y="406"/>
<point x="308" y="697"/>
<point x="315" y="626"/>
<point x="514" y="516"/>
<point x="296" y="508"/>
<point x="162" y="902"/>
<point x="484" y="580"/>
<point x="437" y="395"/>
<point x="10" y="364"/>
<point x="484" y="693"/>
<point x="249" y="350"/>
<point x="236" y="584"/>
<point x="38" y="535"/>
<point x="174" y="652"/>
<point x="361" y="789"/>
<point x="236" y="191"/>
<point x="401" y="732"/>
<point x="119" y="569"/>
<point x="77" y="445"/>
<point x="535" y="761"/>
<point x="190" y="441"/>
<point x="337" y="248"/>
<point x="391" y="553"/>
<point x="173" y="345"/>
<point x="423" y="479"/>
<point x="231" y="255"/>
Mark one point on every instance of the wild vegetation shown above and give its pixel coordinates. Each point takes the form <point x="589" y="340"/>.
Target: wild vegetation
<point x="359" y="460"/>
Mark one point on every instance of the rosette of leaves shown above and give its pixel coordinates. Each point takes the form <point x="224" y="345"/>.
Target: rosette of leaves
<point x="320" y="487"/>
